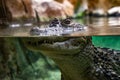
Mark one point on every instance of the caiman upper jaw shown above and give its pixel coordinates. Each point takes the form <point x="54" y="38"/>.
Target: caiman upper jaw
<point x="42" y="40"/>
<point x="55" y="42"/>
<point x="56" y="47"/>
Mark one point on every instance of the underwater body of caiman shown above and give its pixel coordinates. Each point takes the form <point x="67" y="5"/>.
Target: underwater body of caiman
<point x="77" y="58"/>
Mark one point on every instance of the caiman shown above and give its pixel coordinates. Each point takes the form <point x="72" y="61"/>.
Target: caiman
<point x="77" y="57"/>
<point x="58" y="27"/>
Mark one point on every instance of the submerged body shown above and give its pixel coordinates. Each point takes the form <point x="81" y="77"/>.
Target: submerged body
<point x="77" y="58"/>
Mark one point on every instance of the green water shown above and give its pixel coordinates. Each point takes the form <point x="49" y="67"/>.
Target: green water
<point x="112" y="42"/>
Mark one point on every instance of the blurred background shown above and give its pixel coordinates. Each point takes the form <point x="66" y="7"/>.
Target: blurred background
<point x="47" y="9"/>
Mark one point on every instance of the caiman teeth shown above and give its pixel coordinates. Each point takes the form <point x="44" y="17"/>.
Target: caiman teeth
<point x="64" y="45"/>
<point x="48" y="42"/>
<point x="44" y="40"/>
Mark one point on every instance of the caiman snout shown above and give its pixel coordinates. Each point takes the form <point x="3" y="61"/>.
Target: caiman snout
<point x="56" y="45"/>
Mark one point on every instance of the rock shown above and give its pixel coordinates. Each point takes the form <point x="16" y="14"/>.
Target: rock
<point x="20" y="8"/>
<point x="45" y="9"/>
<point x="68" y="8"/>
<point x="99" y="12"/>
<point x="16" y="9"/>
<point x="24" y="9"/>
<point x="60" y="1"/>
<point x="5" y="15"/>
<point x="115" y="11"/>
<point x="99" y="8"/>
<point x="73" y="2"/>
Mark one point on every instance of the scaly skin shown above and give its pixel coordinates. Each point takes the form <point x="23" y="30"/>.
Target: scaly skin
<point x="75" y="56"/>
<point x="67" y="59"/>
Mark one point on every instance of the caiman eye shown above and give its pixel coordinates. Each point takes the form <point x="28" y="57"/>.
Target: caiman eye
<point x="67" y="22"/>
<point x="55" y="19"/>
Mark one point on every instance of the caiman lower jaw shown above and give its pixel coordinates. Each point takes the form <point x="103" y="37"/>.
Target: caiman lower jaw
<point x="59" y="49"/>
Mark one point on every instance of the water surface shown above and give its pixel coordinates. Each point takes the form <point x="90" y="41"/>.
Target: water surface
<point x="95" y="26"/>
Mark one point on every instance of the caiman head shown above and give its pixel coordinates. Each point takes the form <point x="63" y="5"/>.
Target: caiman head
<point x="67" y="52"/>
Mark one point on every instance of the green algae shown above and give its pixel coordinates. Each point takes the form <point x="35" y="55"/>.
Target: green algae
<point x="112" y="42"/>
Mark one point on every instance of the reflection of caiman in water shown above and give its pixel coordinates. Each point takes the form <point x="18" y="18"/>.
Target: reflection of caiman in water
<point x="77" y="58"/>
<point x="58" y="27"/>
